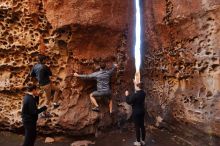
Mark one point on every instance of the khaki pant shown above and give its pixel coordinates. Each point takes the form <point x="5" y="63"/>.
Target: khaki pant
<point x="48" y="91"/>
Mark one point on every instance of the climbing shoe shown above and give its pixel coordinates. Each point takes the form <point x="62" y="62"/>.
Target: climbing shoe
<point x="96" y="109"/>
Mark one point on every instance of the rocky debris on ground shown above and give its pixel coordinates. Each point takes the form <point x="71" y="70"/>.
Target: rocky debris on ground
<point x="125" y="109"/>
<point x="82" y="143"/>
<point x="49" y="140"/>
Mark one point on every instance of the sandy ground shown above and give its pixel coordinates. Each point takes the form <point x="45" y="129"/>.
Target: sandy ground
<point x="155" y="137"/>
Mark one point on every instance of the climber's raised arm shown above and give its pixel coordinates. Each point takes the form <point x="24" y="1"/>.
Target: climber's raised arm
<point x="88" y="76"/>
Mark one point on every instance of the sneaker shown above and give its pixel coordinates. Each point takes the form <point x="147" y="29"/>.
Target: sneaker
<point x="143" y="142"/>
<point x="56" y="105"/>
<point x="136" y="143"/>
<point x="96" y="109"/>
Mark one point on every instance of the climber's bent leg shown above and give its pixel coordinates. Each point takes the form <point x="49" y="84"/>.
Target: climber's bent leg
<point x="101" y="94"/>
<point x="93" y="100"/>
<point x="110" y="106"/>
<point x="47" y="91"/>
<point x="56" y="95"/>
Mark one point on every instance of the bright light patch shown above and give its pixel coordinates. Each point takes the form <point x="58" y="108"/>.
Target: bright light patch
<point x="138" y="37"/>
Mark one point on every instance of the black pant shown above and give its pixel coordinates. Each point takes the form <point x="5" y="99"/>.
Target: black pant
<point x="138" y="119"/>
<point x="30" y="134"/>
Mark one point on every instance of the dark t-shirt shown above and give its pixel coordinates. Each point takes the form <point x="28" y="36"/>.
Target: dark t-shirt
<point x="42" y="74"/>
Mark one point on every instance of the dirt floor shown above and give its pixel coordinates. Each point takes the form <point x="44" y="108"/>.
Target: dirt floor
<point x="155" y="137"/>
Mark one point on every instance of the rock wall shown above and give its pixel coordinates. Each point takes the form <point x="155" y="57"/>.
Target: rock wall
<point x="181" y="63"/>
<point x="180" y="68"/>
<point x="76" y="35"/>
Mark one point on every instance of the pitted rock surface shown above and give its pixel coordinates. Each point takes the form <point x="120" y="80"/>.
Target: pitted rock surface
<point x="84" y="35"/>
<point x="180" y="68"/>
<point x="181" y="62"/>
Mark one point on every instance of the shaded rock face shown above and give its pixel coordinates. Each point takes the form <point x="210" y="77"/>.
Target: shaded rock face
<point x="77" y="36"/>
<point x="181" y="63"/>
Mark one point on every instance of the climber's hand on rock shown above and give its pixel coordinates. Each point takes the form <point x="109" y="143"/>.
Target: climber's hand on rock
<point x="135" y="82"/>
<point x="126" y="93"/>
<point x="115" y="64"/>
<point x="75" y="74"/>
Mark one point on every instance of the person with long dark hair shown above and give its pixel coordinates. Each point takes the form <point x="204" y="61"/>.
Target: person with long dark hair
<point x="137" y="101"/>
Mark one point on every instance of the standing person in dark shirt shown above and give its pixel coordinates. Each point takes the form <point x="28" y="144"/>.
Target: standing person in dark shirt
<point x="103" y="88"/>
<point x="137" y="101"/>
<point x="30" y="115"/>
<point x="43" y="73"/>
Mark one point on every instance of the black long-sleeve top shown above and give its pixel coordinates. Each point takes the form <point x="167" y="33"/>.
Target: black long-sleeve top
<point x="29" y="110"/>
<point x="137" y="101"/>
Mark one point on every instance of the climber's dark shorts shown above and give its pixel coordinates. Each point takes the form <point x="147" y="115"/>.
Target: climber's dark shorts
<point x="101" y="94"/>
